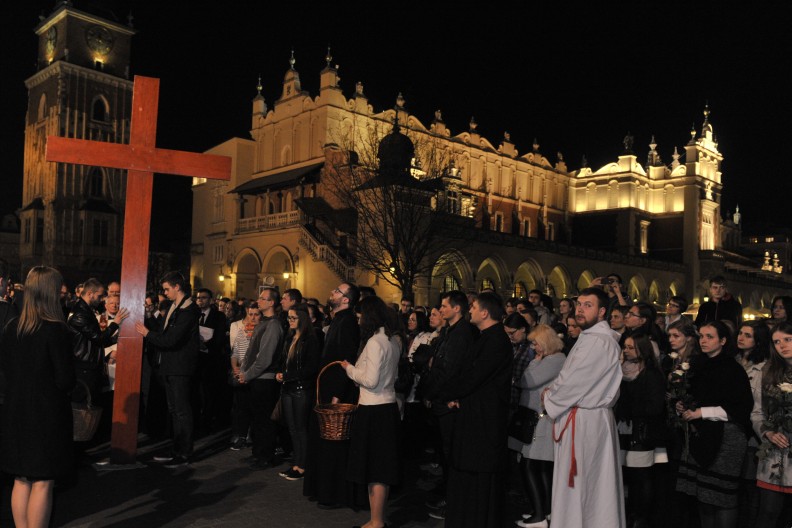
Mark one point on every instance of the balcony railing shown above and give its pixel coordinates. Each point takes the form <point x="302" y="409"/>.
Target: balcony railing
<point x="268" y="222"/>
<point x="327" y="255"/>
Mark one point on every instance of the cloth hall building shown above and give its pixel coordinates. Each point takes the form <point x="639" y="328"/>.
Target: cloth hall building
<point x="532" y="222"/>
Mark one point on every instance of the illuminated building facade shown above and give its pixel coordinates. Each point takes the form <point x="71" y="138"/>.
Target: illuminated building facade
<point x="534" y="223"/>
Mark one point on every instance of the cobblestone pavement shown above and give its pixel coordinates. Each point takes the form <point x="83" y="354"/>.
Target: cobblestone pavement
<point x="216" y="490"/>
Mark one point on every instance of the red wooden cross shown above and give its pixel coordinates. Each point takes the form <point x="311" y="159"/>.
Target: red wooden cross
<point x="141" y="159"/>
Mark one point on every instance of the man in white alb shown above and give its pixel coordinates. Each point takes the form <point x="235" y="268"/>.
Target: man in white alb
<point x="587" y="481"/>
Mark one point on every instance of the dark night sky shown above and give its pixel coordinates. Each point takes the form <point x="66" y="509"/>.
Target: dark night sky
<point x="576" y="78"/>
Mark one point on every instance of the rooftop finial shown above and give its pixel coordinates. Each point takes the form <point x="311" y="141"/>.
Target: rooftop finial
<point x="473" y="124"/>
<point x="328" y="57"/>
<point x="536" y="145"/>
<point x="292" y="60"/>
<point x="583" y="162"/>
<point x="258" y="86"/>
<point x="400" y="101"/>
<point x="130" y="18"/>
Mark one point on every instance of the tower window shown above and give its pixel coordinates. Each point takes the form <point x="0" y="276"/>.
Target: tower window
<point x="100" y="233"/>
<point x="100" y="110"/>
<point x="95" y="184"/>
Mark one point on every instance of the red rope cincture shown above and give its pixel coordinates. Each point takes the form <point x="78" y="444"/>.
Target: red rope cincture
<point x="573" y="465"/>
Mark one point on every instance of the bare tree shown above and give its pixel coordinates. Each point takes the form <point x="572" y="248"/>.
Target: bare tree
<point x="396" y="185"/>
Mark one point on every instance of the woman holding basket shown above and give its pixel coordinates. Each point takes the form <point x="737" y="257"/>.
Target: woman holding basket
<point x="373" y="455"/>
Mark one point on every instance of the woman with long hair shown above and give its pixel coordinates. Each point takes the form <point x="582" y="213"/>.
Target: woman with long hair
<point x="780" y="310"/>
<point x="301" y="355"/>
<point x="640" y="412"/>
<point x="683" y="342"/>
<point x="774" y="473"/>
<point x="753" y="348"/>
<point x="718" y="416"/>
<point x="536" y="464"/>
<point x="240" y="334"/>
<point x="37" y="362"/>
<point x="374" y="450"/>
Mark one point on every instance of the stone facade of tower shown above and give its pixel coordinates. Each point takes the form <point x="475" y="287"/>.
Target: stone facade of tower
<point x="72" y="216"/>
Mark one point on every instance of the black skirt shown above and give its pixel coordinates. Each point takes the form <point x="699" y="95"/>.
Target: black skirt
<point x="374" y="445"/>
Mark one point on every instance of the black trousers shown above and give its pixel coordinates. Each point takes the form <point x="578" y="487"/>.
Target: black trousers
<point x="177" y="393"/>
<point x="263" y="396"/>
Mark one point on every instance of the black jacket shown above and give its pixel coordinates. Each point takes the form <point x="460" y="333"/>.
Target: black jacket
<point x="642" y="402"/>
<point x="452" y="356"/>
<point x="727" y="309"/>
<point x="301" y="371"/>
<point x="341" y="342"/>
<point x="177" y="344"/>
<point x="217" y="322"/>
<point x="89" y="341"/>
<point x="483" y="388"/>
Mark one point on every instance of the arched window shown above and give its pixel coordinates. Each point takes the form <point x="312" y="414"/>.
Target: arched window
<point x="487" y="284"/>
<point x="520" y="291"/>
<point x="100" y="110"/>
<point x="42" y="107"/>
<point x="450" y="283"/>
<point x="95" y="183"/>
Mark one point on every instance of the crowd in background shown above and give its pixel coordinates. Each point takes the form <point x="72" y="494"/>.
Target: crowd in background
<point x="703" y="409"/>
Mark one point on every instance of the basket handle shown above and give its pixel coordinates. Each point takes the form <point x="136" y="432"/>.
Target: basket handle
<point x="88" y="401"/>
<point x="320" y="376"/>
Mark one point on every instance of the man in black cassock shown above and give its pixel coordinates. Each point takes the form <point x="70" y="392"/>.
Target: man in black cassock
<point x="480" y="393"/>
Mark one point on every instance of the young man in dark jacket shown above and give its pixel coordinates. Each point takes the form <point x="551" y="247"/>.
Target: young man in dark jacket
<point x="176" y="352"/>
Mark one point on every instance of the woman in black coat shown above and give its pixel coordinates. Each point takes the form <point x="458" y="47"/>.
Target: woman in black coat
<point x="37" y="362"/>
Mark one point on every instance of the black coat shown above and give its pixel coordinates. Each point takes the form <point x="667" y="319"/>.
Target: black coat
<point x="300" y="372"/>
<point x="727" y="309"/>
<point x="642" y="402"/>
<point x="36" y="415"/>
<point x="341" y="342"/>
<point x="89" y="339"/>
<point x="217" y="322"/>
<point x="177" y="344"/>
<point x="483" y="388"/>
<point x="452" y="355"/>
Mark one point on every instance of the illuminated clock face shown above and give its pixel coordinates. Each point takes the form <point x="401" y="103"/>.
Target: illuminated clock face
<point x="52" y="40"/>
<point x="99" y="39"/>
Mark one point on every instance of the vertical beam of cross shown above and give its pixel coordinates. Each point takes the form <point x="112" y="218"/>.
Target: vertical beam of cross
<point x="141" y="159"/>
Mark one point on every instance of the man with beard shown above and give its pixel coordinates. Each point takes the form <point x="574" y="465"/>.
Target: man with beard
<point x="587" y="479"/>
<point x="90" y="341"/>
<point x="325" y="472"/>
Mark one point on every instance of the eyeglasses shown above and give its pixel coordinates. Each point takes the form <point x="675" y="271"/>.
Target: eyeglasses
<point x="344" y="294"/>
<point x="673" y="305"/>
<point x="630" y="314"/>
<point x="512" y="332"/>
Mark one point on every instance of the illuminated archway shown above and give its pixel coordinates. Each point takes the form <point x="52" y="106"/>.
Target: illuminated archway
<point x="558" y="283"/>
<point x="584" y="281"/>
<point x="247" y="268"/>
<point x="636" y="288"/>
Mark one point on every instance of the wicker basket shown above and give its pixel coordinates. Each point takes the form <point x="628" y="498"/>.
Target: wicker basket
<point x="85" y="417"/>
<point x="335" y="419"/>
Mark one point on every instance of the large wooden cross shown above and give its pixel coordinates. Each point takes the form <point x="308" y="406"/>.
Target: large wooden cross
<point x="141" y="159"/>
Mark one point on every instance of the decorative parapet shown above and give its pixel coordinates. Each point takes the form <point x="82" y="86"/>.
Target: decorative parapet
<point x="269" y="222"/>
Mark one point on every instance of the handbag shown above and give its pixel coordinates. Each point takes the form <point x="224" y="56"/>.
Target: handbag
<point x="85" y="417"/>
<point x="523" y="423"/>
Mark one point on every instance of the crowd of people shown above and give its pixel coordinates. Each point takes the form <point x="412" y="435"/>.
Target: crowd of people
<point x="612" y="413"/>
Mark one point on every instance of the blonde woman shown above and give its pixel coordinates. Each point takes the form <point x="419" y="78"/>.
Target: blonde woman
<point x="537" y="454"/>
<point x="37" y="362"/>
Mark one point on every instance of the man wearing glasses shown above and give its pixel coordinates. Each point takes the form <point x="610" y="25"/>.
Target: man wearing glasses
<point x="261" y="366"/>
<point x="674" y="309"/>
<point x="212" y="363"/>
